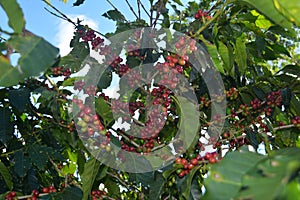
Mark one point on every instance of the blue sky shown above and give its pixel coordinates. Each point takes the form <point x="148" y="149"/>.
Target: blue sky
<point x="59" y="32"/>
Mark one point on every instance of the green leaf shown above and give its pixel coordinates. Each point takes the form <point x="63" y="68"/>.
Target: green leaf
<point x="69" y="82"/>
<point x="73" y="193"/>
<point x="69" y="168"/>
<point x="19" y="98"/>
<point x="267" y="8"/>
<point x="290" y="9"/>
<point x="78" y="2"/>
<point x="39" y="155"/>
<point x="188" y="115"/>
<point x="188" y="182"/>
<point x="291" y="69"/>
<point x="9" y="75"/>
<point x="6" y="126"/>
<point x="6" y="176"/>
<point x="224" y="53"/>
<point x="275" y="172"/>
<point x="15" y="14"/>
<point x="213" y="52"/>
<point x="104" y="110"/>
<point x="88" y="176"/>
<point x="241" y="55"/>
<point x="22" y="164"/>
<point x="114" y="15"/>
<point x="225" y="178"/>
<point x="178" y="2"/>
<point x="37" y="55"/>
<point x="157" y="186"/>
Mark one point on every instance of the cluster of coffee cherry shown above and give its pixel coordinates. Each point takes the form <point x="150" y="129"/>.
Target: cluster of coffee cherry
<point x="58" y="71"/>
<point x="232" y="93"/>
<point x="202" y="14"/>
<point x="184" y="165"/>
<point x="97" y="194"/>
<point x="296" y="121"/>
<point x="162" y="96"/>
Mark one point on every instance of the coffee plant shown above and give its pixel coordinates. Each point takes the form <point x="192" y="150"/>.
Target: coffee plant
<point x="209" y="91"/>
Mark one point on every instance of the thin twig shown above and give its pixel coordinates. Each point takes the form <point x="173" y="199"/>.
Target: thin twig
<point x="126" y="138"/>
<point x="52" y="83"/>
<point x="139" y="8"/>
<point x="65" y="17"/>
<point x="284" y="127"/>
<point x="112" y="5"/>
<point x="132" y="9"/>
<point x="145" y="10"/>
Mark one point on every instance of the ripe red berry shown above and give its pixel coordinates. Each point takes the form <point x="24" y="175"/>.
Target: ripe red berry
<point x="194" y="161"/>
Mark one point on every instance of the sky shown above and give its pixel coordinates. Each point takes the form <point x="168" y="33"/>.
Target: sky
<point x="59" y="32"/>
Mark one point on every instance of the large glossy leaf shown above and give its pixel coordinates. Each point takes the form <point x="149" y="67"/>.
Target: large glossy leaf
<point x="37" y="55"/>
<point x="267" y="8"/>
<point x="225" y="178"/>
<point x="290" y="9"/>
<point x="6" y="175"/>
<point x="273" y="173"/>
<point x="88" y="176"/>
<point x="15" y="15"/>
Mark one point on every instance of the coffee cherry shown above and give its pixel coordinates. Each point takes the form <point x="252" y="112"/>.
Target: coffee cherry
<point x="194" y="161"/>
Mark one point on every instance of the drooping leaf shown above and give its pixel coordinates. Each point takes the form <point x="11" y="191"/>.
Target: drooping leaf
<point x="186" y="192"/>
<point x="6" y="175"/>
<point x="241" y="55"/>
<point x="157" y="186"/>
<point x="88" y="176"/>
<point x="15" y="15"/>
<point x="290" y="9"/>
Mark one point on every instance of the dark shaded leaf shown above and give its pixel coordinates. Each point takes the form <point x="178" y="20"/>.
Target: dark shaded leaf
<point x="6" y="175"/>
<point x="6" y="126"/>
<point x="22" y="163"/>
<point x="19" y="98"/>
<point x="78" y="2"/>
<point x="88" y="176"/>
<point x="114" y="15"/>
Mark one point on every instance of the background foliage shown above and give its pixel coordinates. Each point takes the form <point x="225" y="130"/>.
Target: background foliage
<point x="253" y="44"/>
